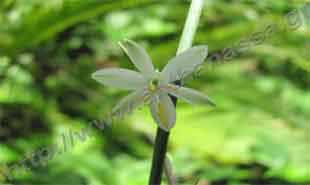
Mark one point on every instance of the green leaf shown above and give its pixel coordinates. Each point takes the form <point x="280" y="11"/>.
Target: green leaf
<point x="43" y="22"/>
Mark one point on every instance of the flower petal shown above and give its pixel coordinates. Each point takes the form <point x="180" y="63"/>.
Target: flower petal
<point x="163" y="111"/>
<point x="189" y="95"/>
<point x="128" y="103"/>
<point x="119" y="78"/>
<point x="138" y="56"/>
<point x="185" y="63"/>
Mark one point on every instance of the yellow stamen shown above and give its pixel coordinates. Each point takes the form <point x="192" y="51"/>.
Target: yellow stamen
<point x="153" y="85"/>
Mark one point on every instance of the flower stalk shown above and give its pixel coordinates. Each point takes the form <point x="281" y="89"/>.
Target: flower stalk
<point x="162" y="136"/>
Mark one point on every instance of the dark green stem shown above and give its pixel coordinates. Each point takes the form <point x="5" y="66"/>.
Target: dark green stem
<point x="161" y="141"/>
<point x="160" y="150"/>
<point x="159" y="155"/>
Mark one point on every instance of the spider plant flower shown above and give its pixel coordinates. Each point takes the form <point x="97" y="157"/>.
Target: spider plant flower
<point x="152" y="87"/>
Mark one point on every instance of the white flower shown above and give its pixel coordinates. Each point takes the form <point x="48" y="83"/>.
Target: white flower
<point x="153" y="87"/>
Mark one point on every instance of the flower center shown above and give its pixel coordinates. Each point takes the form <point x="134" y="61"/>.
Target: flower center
<point x="153" y="84"/>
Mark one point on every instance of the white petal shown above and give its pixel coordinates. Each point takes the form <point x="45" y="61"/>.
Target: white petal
<point x="128" y="104"/>
<point x="188" y="95"/>
<point x="138" y="56"/>
<point x="185" y="63"/>
<point x="163" y="111"/>
<point x="119" y="78"/>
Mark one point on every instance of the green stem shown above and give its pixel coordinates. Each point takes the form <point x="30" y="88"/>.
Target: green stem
<point x="159" y="155"/>
<point x="190" y="26"/>
<point x="162" y="136"/>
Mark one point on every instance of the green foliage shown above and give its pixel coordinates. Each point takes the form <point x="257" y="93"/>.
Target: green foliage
<point x="259" y="133"/>
<point x="39" y="21"/>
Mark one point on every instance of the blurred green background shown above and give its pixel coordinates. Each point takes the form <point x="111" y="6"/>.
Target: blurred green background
<point x="257" y="135"/>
